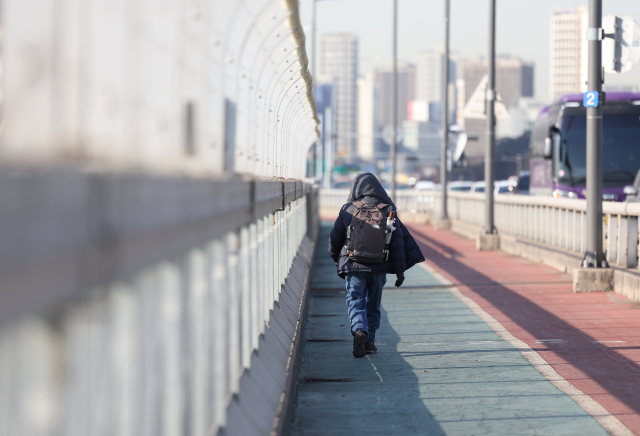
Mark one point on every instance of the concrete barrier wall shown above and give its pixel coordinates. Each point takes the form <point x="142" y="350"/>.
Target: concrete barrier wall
<point x="162" y="306"/>
<point x="153" y="217"/>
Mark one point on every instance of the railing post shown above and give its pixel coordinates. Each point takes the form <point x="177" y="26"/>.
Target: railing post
<point x="612" y="239"/>
<point x="575" y="234"/>
<point x="556" y="224"/>
<point x="623" y="238"/>
<point x="583" y="231"/>
<point x="533" y="214"/>
<point x="632" y="242"/>
<point x="548" y="234"/>
<point x="565" y="215"/>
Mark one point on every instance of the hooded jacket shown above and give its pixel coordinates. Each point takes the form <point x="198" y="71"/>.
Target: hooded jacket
<point x="403" y="249"/>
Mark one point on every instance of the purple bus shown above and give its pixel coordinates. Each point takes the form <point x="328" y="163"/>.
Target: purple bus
<point x="558" y="147"/>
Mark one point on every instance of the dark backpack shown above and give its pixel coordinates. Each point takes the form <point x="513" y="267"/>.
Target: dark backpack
<point x="367" y="232"/>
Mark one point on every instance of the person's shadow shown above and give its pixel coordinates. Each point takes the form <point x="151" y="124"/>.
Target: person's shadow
<point x="339" y="394"/>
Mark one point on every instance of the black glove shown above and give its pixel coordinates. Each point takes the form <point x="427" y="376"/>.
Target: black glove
<point x="400" y="279"/>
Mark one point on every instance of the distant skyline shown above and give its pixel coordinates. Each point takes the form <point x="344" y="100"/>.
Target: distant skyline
<point x="522" y="30"/>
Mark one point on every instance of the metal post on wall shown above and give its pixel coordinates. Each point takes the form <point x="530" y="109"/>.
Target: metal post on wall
<point x="313" y="40"/>
<point x="318" y="154"/>
<point x="394" y="134"/>
<point x="328" y="147"/>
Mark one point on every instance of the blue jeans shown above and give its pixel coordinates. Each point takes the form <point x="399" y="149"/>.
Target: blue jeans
<point x="364" y="292"/>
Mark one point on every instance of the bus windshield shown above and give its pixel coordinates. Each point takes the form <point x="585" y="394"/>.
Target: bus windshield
<point x="621" y="149"/>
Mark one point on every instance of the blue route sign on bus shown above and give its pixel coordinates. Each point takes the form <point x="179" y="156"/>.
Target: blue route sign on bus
<point x="591" y="99"/>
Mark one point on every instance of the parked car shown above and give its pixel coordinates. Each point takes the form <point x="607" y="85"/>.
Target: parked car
<point x="499" y="187"/>
<point x="459" y="185"/>
<point x="522" y="186"/>
<point x="478" y="187"/>
<point x="425" y="185"/>
<point x="504" y="187"/>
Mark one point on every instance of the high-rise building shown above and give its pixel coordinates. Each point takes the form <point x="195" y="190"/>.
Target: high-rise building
<point x="340" y="66"/>
<point x="368" y="125"/>
<point x="568" y="51"/>
<point x="423" y="139"/>
<point x="514" y="79"/>
<point x="429" y="76"/>
<point x="406" y="92"/>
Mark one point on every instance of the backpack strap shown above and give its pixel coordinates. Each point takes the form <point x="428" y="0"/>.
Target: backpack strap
<point x="358" y="204"/>
<point x="382" y="206"/>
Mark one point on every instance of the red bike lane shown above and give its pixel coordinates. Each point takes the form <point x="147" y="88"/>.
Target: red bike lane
<point x="591" y="340"/>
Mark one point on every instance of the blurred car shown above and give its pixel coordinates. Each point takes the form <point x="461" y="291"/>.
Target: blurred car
<point x="522" y="185"/>
<point x="504" y="187"/>
<point x="425" y="185"/>
<point x="477" y="187"/>
<point x="499" y="187"/>
<point x="459" y="186"/>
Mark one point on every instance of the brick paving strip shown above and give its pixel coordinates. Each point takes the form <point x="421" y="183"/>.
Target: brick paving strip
<point x="591" y="341"/>
<point x="449" y="361"/>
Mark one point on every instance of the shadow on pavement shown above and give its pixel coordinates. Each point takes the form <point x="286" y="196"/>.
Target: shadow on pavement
<point x="617" y="374"/>
<point x="341" y="395"/>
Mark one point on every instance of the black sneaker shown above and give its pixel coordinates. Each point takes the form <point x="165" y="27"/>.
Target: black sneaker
<point x="370" y="348"/>
<point x="359" y="341"/>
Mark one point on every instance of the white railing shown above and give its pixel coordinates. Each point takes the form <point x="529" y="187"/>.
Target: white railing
<point x="559" y="223"/>
<point x="408" y="202"/>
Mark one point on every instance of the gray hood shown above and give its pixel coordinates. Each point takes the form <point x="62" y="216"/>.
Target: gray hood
<point x="366" y="186"/>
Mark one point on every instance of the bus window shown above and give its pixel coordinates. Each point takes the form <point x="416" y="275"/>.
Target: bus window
<point x="621" y="151"/>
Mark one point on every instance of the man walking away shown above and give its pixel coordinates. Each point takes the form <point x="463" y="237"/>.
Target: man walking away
<point x="366" y="244"/>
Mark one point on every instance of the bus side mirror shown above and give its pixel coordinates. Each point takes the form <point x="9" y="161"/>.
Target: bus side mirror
<point x="548" y="148"/>
<point x="552" y="137"/>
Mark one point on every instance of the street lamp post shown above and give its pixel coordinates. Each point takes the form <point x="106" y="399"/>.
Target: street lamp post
<point x="394" y="134"/>
<point x="489" y="239"/>
<point x="594" y="274"/>
<point x="313" y="40"/>
<point x="594" y="255"/>
<point x="443" y="220"/>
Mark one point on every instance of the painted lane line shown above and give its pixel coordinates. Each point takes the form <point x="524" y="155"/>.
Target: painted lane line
<point x="610" y="423"/>
<point x="449" y="343"/>
<point x="481" y="342"/>
<point x="409" y="287"/>
<point x="375" y="369"/>
<point x="609" y="342"/>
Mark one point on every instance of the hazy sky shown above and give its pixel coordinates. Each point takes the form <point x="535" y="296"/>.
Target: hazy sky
<point x="522" y="29"/>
